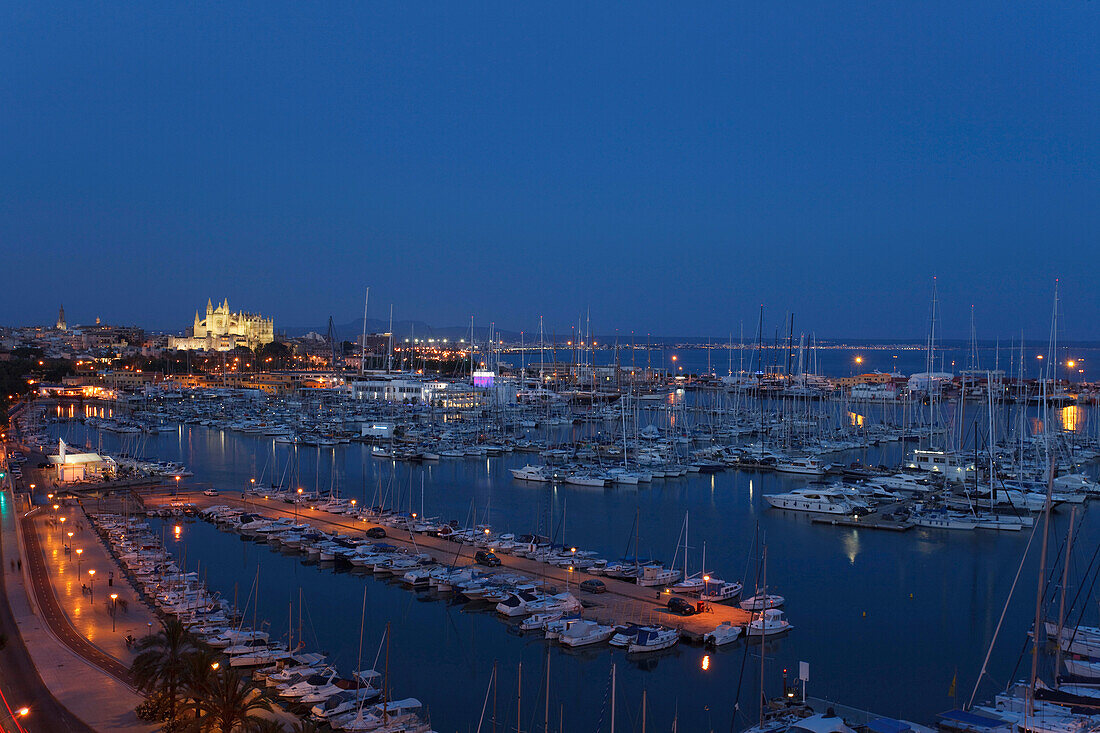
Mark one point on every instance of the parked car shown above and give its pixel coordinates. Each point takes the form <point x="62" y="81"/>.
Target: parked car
<point x="484" y="557"/>
<point x="680" y="606"/>
<point x="594" y="586"/>
<point x="210" y="492"/>
<point x="376" y="533"/>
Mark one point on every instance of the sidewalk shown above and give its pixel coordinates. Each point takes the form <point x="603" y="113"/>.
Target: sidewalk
<point x="90" y="611"/>
<point x="97" y="698"/>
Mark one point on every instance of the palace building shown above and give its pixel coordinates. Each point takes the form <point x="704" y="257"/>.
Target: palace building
<point x="223" y="330"/>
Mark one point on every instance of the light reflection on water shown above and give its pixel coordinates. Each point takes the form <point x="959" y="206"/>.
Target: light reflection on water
<point x="944" y="590"/>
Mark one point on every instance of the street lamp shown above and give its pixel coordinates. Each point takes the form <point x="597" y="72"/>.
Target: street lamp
<point x="114" y="597"/>
<point x="70" y="542"/>
<point x="177" y="484"/>
<point x="91" y="592"/>
<point x="79" y="552"/>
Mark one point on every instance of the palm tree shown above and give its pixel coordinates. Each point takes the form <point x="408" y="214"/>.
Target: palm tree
<point x="269" y="726"/>
<point x="162" y="663"/>
<point x="226" y="704"/>
<point x="201" y="665"/>
<point x="305" y="726"/>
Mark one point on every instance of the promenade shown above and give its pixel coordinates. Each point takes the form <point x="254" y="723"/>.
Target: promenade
<point x="88" y="697"/>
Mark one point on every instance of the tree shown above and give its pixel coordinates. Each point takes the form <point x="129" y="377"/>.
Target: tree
<point x="200" y="672"/>
<point x="268" y="726"/>
<point x="278" y="353"/>
<point x="226" y="704"/>
<point x="162" y="664"/>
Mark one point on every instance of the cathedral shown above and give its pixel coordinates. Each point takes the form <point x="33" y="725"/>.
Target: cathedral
<point x="223" y="330"/>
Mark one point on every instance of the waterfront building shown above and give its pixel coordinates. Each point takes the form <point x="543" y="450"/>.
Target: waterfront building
<point x="224" y="330"/>
<point x="80" y="466"/>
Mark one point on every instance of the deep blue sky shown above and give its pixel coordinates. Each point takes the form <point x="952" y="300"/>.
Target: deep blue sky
<point x="669" y="166"/>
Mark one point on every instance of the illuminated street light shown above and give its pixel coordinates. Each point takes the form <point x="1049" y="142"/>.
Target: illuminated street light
<point x="79" y="552"/>
<point x="114" y="598"/>
<point x="91" y="591"/>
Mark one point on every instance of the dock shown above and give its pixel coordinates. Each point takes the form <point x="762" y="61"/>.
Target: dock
<point x="623" y="602"/>
<point x="875" y="520"/>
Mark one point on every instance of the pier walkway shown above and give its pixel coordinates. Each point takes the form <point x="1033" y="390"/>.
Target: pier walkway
<point x="623" y="602"/>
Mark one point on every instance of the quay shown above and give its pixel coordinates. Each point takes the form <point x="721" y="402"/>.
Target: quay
<point x="623" y="602"/>
<point x="875" y="520"/>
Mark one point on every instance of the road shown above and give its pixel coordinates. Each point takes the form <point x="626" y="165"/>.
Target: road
<point x="54" y="615"/>
<point x="19" y="678"/>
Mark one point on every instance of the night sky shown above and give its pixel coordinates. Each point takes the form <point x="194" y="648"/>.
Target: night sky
<point x="665" y="166"/>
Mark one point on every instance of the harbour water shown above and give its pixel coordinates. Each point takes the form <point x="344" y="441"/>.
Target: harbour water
<point x="886" y="620"/>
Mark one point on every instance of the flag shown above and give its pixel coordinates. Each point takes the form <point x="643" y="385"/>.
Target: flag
<point x="954" y="680"/>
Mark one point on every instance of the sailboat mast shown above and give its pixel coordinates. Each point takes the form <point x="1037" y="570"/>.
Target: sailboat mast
<point x="612" y="698"/>
<point x="363" y="340"/>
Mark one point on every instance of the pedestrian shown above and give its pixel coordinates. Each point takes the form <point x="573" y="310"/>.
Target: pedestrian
<point x="19" y="562"/>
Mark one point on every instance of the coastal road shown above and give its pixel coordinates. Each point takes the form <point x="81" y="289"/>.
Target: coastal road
<point x="54" y="615"/>
<point x="19" y="679"/>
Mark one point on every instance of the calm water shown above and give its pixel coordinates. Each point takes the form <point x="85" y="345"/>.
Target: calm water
<point x="885" y="620"/>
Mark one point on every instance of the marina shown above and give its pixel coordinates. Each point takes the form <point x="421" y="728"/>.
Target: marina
<point x="484" y="490"/>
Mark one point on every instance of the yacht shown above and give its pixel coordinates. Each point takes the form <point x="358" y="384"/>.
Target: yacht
<point x="816" y="501"/>
<point x="950" y="465"/>
<point x="536" y="474"/>
<point x="801" y="466"/>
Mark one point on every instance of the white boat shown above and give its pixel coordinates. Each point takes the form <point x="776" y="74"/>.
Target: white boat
<point x="537" y="474"/>
<point x="653" y="575"/>
<point x="1082" y="668"/>
<point x="586" y="633"/>
<point x="724" y="633"/>
<point x="586" y="479"/>
<point x="950" y="465"/>
<point x="235" y="637"/>
<point x="816" y="501"/>
<point x="943" y="520"/>
<point x="760" y="602"/>
<point x="539" y="620"/>
<point x="770" y="623"/>
<point x="801" y="466"/>
<point x="716" y="591"/>
<point x="653" y="640"/>
<point x="516" y="603"/>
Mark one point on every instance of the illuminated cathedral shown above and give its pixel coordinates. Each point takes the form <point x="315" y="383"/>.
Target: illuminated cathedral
<point x="223" y="330"/>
